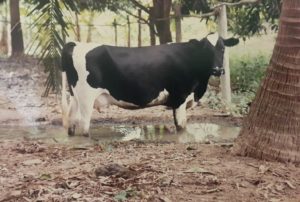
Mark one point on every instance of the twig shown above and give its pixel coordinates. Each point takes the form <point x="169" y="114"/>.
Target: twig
<point x="137" y="4"/>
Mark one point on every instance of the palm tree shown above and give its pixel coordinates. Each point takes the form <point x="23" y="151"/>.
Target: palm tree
<point x="272" y="129"/>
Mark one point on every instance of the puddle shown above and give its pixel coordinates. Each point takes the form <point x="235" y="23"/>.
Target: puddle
<point x="200" y="133"/>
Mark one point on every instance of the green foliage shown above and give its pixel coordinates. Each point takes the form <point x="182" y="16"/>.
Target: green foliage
<point x="52" y="21"/>
<point x="247" y="72"/>
<point x="249" y="20"/>
<point x="51" y="29"/>
<point x="246" y="75"/>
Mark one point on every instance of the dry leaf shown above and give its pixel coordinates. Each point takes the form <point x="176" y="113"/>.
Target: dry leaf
<point x="290" y="185"/>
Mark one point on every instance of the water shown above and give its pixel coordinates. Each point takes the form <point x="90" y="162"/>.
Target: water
<point x="201" y="133"/>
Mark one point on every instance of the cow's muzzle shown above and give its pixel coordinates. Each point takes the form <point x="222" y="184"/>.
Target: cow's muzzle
<point x="218" y="71"/>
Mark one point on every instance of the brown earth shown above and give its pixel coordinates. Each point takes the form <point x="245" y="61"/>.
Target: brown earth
<point x="127" y="171"/>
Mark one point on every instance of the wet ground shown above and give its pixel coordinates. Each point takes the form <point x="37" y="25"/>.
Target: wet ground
<point x="130" y="156"/>
<point x="200" y="133"/>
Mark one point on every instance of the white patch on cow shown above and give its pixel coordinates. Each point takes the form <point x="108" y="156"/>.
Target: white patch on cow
<point x="213" y="38"/>
<point x="84" y="95"/>
<point x="161" y="99"/>
<point x="105" y="99"/>
<point x="180" y="112"/>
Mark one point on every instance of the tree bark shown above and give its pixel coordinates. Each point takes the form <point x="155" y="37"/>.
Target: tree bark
<point x="162" y="9"/>
<point x="177" y="12"/>
<point x="272" y="129"/>
<point x="152" y="26"/>
<point x="17" y="42"/>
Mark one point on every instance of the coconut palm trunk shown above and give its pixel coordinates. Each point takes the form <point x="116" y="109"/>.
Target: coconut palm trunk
<point x="272" y="129"/>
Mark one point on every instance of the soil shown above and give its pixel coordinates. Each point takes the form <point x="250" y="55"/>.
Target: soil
<point x="124" y="171"/>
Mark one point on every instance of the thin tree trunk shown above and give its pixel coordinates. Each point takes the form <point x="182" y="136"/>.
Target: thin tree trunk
<point x="272" y="129"/>
<point x="152" y="26"/>
<point x="17" y="42"/>
<point x="90" y="26"/>
<point x="139" y="28"/>
<point x="78" y="36"/>
<point x="162" y="9"/>
<point x="3" y="41"/>
<point x="115" y="25"/>
<point x="128" y="33"/>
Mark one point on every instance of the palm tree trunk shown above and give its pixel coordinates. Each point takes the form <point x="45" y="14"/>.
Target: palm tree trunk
<point x="272" y="129"/>
<point x="17" y="43"/>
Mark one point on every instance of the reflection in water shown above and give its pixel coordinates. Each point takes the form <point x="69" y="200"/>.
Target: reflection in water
<point x="194" y="133"/>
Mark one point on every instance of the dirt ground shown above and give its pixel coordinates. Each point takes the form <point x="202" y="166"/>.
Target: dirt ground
<point x="124" y="171"/>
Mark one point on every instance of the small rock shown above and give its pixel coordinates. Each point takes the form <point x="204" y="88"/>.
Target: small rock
<point x="76" y="196"/>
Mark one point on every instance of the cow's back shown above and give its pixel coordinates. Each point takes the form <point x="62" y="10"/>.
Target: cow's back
<point x="137" y="75"/>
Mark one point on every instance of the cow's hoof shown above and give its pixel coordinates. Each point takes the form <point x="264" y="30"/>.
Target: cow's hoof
<point x="71" y="131"/>
<point x="86" y="134"/>
<point x="180" y="129"/>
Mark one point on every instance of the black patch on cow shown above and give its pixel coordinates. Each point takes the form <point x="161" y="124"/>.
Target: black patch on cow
<point x="137" y="75"/>
<point x="67" y="64"/>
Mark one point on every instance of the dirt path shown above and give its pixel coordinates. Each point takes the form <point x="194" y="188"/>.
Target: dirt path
<point x="135" y="171"/>
<point x="128" y="171"/>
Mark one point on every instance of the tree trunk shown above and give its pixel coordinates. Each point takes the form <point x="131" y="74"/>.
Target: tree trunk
<point x="17" y="43"/>
<point x="139" y="28"/>
<point x="152" y="26"/>
<point x="272" y="130"/>
<point x="90" y="26"/>
<point x="177" y="12"/>
<point x="162" y="9"/>
<point x="78" y="35"/>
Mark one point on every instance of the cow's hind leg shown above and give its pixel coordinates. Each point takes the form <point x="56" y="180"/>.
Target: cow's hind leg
<point x="180" y="117"/>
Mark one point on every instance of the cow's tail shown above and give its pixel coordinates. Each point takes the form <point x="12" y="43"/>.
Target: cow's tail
<point x="66" y="57"/>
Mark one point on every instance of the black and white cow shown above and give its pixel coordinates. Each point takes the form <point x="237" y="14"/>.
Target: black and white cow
<point x="133" y="78"/>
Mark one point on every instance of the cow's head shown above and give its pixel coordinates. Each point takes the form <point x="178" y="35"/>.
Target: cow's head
<point x="218" y="45"/>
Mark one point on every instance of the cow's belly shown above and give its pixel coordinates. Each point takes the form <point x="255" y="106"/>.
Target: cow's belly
<point x="106" y="99"/>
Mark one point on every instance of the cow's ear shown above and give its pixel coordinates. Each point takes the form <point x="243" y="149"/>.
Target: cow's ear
<point x="231" y="42"/>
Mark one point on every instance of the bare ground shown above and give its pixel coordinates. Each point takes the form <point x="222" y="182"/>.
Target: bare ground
<point x="126" y="171"/>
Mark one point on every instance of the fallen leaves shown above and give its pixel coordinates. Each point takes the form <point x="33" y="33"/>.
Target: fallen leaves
<point x="29" y="147"/>
<point x="114" y="169"/>
<point x="141" y="172"/>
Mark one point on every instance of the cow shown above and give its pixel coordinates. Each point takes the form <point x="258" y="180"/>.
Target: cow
<point x="134" y="78"/>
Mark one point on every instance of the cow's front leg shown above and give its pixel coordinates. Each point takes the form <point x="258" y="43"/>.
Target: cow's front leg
<point x="86" y="110"/>
<point x="180" y="117"/>
<point x="73" y="116"/>
<point x="179" y="114"/>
